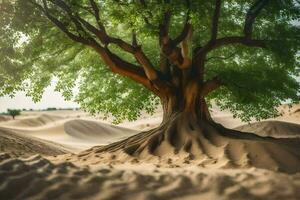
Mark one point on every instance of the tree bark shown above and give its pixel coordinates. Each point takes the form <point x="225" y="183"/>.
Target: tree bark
<point x="188" y="101"/>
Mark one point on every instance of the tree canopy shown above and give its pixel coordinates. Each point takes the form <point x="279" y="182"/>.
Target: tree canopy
<point x="251" y="48"/>
<point x="13" y="112"/>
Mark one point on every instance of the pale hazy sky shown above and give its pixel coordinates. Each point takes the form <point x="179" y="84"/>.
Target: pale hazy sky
<point x="50" y="99"/>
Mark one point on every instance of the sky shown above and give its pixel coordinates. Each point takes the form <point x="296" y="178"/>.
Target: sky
<point x="50" y="99"/>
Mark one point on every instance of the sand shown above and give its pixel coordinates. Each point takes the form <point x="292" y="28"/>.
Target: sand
<point x="76" y="130"/>
<point x="277" y="129"/>
<point x="97" y="131"/>
<point x="20" y="145"/>
<point x="56" y="155"/>
<point x="4" y="118"/>
<point x="32" y="122"/>
<point x="38" y="178"/>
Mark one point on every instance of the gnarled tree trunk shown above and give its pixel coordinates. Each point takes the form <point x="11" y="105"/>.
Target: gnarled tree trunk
<point x="187" y="130"/>
<point x="186" y="137"/>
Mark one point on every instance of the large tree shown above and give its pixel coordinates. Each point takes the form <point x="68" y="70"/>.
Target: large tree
<point x="241" y="55"/>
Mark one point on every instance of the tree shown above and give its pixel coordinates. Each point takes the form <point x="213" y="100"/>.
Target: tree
<point x="13" y="112"/>
<point x="241" y="55"/>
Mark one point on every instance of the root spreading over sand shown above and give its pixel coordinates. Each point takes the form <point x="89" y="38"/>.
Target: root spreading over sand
<point x="204" y="145"/>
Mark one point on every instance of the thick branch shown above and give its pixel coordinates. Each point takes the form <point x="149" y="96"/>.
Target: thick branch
<point x="96" y="14"/>
<point x="211" y="85"/>
<point x="164" y="28"/>
<point x="164" y="64"/>
<point x="151" y="73"/>
<point x="115" y="63"/>
<point x="133" y="49"/>
<point x="122" y="67"/>
<point x="229" y="41"/>
<point x="177" y="56"/>
<point x="252" y="13"/>
<point x="185" y="34"/>
<point x="106" y="39"/>
<point x="215" y="21"/>
<point x="244" y="40"/>
<point x="140" y="56"/>
<point x="101" y="35"/>
<point x="68" y="10"/>
<point x="60" y="25"/>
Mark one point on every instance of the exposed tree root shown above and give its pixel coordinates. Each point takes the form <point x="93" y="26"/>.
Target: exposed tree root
<point x="211" y="145"/>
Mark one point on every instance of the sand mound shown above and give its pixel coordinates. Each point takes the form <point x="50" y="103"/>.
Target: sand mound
<point x="4" y="118"/>
<point x="290" y="113"/>
<point x="80" y="134"/>
<point x="206" y="148"/>
<point x="288" y="109"/>
<point x="20" y="145"/>
<point x="93" y="130"/>
<point x="35" y="121"/>
<point x="38" y="178"/>
<point x="276" y="129"/>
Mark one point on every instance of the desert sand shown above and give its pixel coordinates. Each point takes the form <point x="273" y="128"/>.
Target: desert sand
<point x="59" y="155"/>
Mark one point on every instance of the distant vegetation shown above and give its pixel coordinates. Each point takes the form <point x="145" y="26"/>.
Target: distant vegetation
<point x="13" y="112"/>
<point x="51" y="109"/>
<point x="16" y="112"/>
<point x="54" y="109"/>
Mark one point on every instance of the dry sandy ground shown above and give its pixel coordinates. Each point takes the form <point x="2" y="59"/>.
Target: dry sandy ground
<point x="38" y="178"/>
<point x="68" y="168"/>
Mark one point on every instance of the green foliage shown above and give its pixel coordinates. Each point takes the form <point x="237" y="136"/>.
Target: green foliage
<point x="33" y="52"/>
<point x="13" y="112"/>
<point x="108" y="93"/>
<point x="51" y="109"/>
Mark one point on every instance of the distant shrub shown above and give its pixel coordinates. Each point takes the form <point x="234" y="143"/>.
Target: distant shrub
<point x="66" y="109"/>
<point x="13" y="112"/>
<point x="51" y="109"/>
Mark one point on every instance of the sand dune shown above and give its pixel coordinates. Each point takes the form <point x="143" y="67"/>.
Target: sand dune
<point x="290" y="113"/>
<point x="289" y="109"/>
<point x="35" y="121"/>
<point x="93" y="130"/>
<point x="69" y="131"/>
<point x="38" y="178"/>
<point x="20" y="145"/>
<point x="4" y="118"/>
<point x="276" y="129"/>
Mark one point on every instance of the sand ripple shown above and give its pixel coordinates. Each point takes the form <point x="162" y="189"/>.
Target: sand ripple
<point x="276" y="129"/>
<point x="38" y="178"/>
<point x="22" y="145"/>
